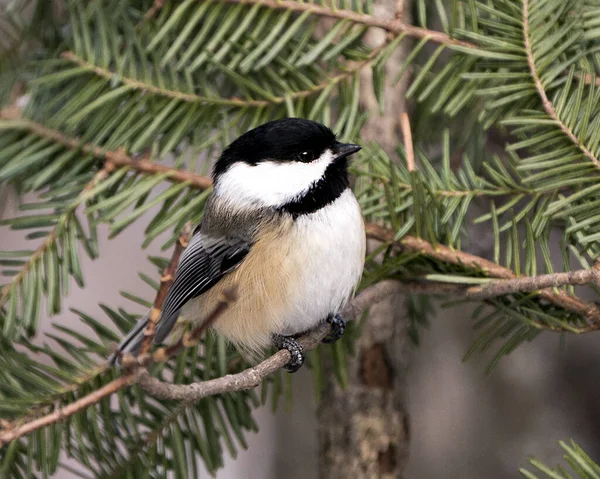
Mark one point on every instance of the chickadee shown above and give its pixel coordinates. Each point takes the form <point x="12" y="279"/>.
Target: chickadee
<point x="283" y="227"/>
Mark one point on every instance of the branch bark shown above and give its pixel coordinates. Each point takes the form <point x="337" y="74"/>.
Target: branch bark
<point x="166" y="281"/>
<point x="245" y="380"/>
<point x="253" y="376"/>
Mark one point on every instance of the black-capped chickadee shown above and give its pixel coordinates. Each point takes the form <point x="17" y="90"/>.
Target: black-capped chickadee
<point x="283" y="227"/>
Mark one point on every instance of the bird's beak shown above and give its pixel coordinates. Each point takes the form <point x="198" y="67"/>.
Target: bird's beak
<point x="342" y="150"/>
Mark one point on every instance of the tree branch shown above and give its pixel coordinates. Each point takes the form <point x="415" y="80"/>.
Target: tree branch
<point x="117" y="158"/>
<point x="166" y="280"/>
<point x="12" y="432"/>
<point x="352" y="68"/>
<point x="546" y="103"/>
<point x="395" y="26"/>
<point x="137" y="372"/>
<point x="253" y="376"/>
<point x="442" y="253"/>
<point x="590" y="311"/>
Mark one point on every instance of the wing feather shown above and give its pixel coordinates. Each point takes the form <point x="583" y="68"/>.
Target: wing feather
<point x="203" y="263"/>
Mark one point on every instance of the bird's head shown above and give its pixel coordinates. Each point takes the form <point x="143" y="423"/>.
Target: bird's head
<point x="280" y="162"/>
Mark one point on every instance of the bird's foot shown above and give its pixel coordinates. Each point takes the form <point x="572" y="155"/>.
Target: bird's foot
<point x="338" y="326"/>
<point x="289" y="343"/>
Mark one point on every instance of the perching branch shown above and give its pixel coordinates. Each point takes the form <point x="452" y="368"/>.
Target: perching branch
<point x="137" y="372"/>
<point x="253" y="376"/>
<point x="546" y="103"/>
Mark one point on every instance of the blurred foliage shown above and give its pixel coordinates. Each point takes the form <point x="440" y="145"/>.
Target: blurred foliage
<point x="506" y="121"/>
<point x="580" y="464"/>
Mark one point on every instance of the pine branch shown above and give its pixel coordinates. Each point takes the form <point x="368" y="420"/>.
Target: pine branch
<point x="137" y="371"/>
<point x="166" y="280"/>
<point x="407" y="244"/>
<point x="55" y="233"/>
<point x="546" y="103"/>
<point x="117" y="158"/>
<point x="410" y="244"/>
<point x="396" y="26"/>
<point x="347" y="72"/>
<point x="253" y="376"/>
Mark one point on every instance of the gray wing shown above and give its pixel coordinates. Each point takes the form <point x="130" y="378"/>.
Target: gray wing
<point x="203" y="263"/>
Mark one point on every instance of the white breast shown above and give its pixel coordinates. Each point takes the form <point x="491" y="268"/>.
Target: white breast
<point x="328" y="247"/>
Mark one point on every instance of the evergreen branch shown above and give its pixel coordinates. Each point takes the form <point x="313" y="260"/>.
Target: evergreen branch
<point x="252" y="377"/>
<point x="411" y="244"/>
<point x="56" y="232"/>
<point x="395" y="26"/>
<point x="135" y="366"/>
<point x="12" y="431"/>
<point x="117" y="158"/>
<point x="546" y="103"/>
<point x="166" y="280"/>
<point x="407" y="243"/>
<point x="348" y="72"/>
<point x="494" y="288"/>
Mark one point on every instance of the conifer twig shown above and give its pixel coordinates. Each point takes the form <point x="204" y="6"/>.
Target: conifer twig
<point x="395" y="25"/>
<point x="408" y="142"/>
<point x="166" y="280"/>
<point x="137" y="372"/>
<point x="546" y="103"/>
<point x="134" y="366"/>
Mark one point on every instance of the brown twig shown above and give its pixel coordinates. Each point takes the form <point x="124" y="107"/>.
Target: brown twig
<point x="137" y="372"/>
<point x="14" y="432"/>
<point x="349" y="71"/>
<point x="117" y="158"/>
<point x="408" y="142"/>
<point x="253" y="376"/>
<point x="502" y="287"/>
<point x="166" y="280"/>
<point x="396" y="26"/>
<point x="546" y="103"/>
<point x="154" y="9"/>
<point x="446" y="254"/>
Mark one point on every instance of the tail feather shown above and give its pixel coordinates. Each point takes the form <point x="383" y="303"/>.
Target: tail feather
<point x="132" y="342"/>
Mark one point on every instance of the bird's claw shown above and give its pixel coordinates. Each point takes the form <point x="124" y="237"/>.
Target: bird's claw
<point x="295" y="350"/>
<point x="338" y="326"/>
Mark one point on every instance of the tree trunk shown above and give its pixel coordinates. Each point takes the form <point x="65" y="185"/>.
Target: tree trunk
<point x="364" y="430"/>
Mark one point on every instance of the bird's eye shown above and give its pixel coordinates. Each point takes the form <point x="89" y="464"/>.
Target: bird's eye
<point x="306" y="156"/>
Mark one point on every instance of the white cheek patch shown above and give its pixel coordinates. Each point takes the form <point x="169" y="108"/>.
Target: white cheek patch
<point x="270" y="183"/>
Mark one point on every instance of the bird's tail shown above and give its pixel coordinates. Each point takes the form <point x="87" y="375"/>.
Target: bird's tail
<point x="132" y="342"/>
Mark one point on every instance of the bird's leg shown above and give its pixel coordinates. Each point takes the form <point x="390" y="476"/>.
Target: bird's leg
<point x="338" y="326"/>
<point x="289" y="343"/>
